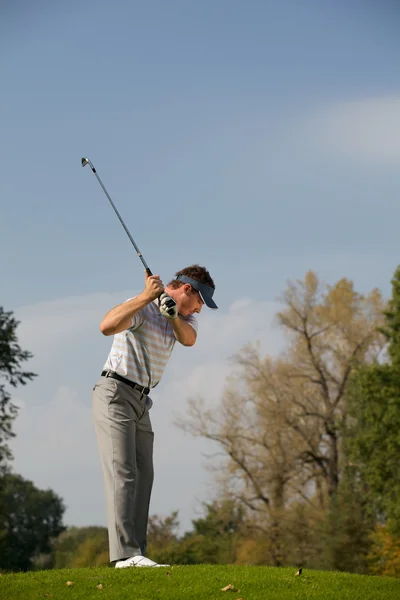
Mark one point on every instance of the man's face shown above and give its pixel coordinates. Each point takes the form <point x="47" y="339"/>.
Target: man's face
<point x="188" y="300"/>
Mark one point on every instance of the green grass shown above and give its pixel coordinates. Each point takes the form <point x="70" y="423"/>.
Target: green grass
<point x="202" y="582"/>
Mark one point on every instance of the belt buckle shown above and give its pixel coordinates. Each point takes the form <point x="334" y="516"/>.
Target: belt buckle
<point x="141" y="389"/>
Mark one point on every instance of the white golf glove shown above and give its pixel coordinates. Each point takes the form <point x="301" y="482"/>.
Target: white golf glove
<point x="168" y="307"/>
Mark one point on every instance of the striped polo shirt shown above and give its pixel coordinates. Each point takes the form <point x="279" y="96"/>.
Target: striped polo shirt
<point x="141" y="352"/>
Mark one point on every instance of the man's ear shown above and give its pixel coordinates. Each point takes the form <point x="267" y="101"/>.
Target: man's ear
<point x="187" y="287"/>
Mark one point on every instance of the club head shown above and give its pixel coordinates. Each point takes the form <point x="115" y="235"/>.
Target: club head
<point x="85" y="161"/>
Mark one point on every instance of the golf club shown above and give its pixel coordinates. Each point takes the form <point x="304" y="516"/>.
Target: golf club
<point x="86" y="161"/>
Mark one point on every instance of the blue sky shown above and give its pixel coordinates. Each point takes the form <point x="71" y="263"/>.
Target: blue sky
<point x="261" y="139"/>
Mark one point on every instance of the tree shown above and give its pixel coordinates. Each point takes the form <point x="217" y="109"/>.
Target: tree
<point x="332" y="332"/>
<point x="93" y="551"/>
<point x="280" y="420"/>
<point x="345" y="534"/>
<point x="213" y="539"/>
<point x="162" y="532"/>
<point x="29" y="520"/>
<point x="384" y="557"/>
<point x="11" y="359"/>
<point x="77" y="547"/>
<point x="374" y="433"/>
<point x="217" y="534"/>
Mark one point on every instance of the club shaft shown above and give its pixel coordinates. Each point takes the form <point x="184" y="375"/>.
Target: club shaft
<point x="148" y="271"/>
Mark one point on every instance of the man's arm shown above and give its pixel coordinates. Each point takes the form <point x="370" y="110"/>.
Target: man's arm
<point x="120" y="317"/>
<point x="184" y="333"/>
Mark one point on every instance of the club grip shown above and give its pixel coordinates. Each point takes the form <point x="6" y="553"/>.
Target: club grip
<point x="149" y="273"/>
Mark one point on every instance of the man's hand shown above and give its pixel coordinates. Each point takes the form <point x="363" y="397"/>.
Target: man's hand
<point x="153" y="287"/>
<point x="168" y="307"/>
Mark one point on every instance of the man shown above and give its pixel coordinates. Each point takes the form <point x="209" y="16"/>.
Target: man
<point x="145" y="329"/>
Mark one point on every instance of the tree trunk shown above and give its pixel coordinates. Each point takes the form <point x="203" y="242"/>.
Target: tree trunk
<point x="333" y="462"/>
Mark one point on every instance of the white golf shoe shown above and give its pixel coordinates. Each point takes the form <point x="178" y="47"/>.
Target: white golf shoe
<point x="137" y="561"/>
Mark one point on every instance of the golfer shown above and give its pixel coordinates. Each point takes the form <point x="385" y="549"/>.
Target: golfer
<point x="145" y="329"/>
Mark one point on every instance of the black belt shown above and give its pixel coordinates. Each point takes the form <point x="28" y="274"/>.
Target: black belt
<point x="135" y="386"/>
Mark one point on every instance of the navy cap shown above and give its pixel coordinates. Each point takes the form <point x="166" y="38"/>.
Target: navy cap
<point x="206" y="291"/>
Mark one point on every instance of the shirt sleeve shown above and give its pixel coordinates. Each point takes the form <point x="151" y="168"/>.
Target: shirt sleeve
<point x="191" y="320"/>
<point x="139" y="318"/>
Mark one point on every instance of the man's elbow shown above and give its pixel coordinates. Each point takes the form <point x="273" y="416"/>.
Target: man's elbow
<point x="105" y="327"/>
<point x="189" y="341"/>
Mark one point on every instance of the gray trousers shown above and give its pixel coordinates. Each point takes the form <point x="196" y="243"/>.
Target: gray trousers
<point x="125" y="442"/>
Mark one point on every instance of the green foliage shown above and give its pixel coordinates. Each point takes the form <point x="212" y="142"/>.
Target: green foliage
<point x="336" y="537"/>
<point x="384" y="557"/>
<point x="213" y="540"/>
<point x="391" y="330"/>
<point x="93" y="551"/>
<point x="375" y="442"/>
<point x="223" y="518"/>
<point x="80" y="547"/>
<point x="29" y="519"/>
<point x="11" y="357"/>
<point x="374" y="434"/>
<point x="162" y="532"/>
<point x="215" y="536"/>
<point x="346" y="530"/>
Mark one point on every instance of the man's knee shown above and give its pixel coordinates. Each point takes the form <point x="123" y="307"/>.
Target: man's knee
<point x="144" y="451"/>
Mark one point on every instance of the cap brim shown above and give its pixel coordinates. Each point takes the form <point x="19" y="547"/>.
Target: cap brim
<point x="205" y="291"/>
<point x="208" y="301"/>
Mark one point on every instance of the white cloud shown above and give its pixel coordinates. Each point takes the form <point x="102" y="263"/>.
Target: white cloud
<point x="366" y="130"/>
<point x="55" y="444"/>
<point x="56" y="448"/>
